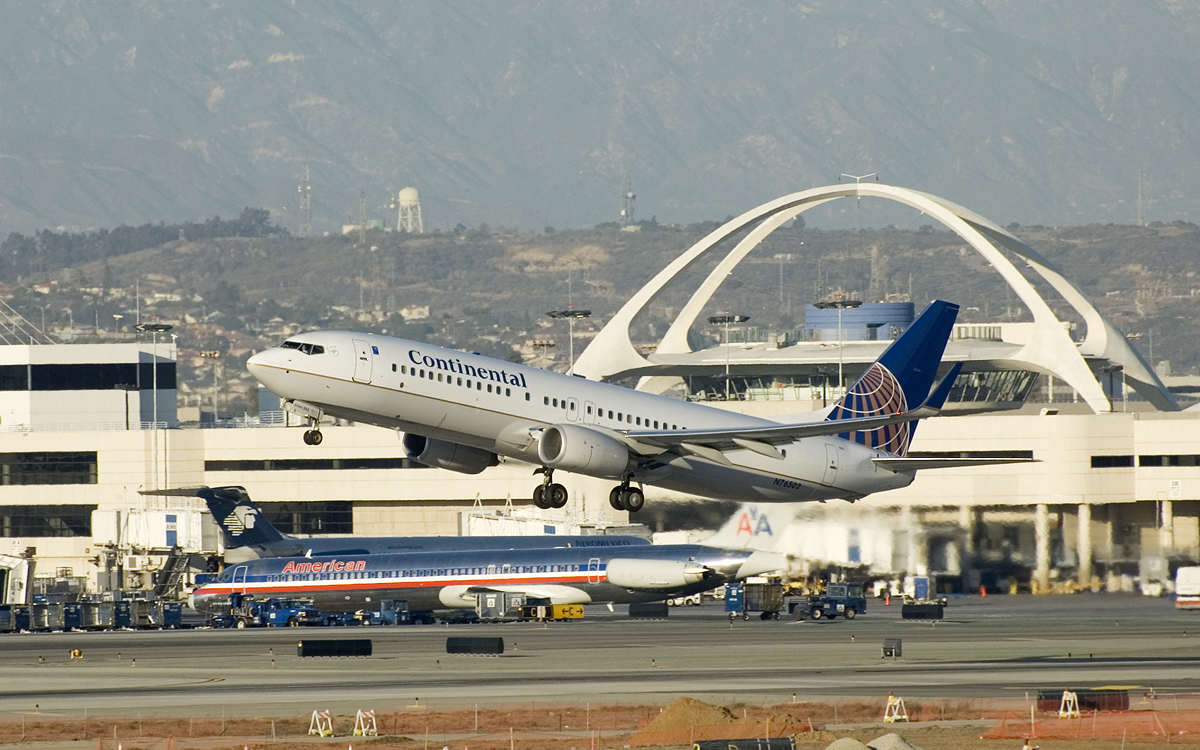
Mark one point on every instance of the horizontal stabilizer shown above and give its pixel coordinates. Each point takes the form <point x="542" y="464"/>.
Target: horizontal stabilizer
<point x="913" y="464"/>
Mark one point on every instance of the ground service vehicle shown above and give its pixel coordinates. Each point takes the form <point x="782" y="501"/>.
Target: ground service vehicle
<point x="1187" y="588"/>
<point x="845" y="599"/>
<point x="757" y="594"/>
<point x="245" y="612"/>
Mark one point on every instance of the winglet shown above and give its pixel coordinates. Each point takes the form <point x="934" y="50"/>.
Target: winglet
<point x="937" y="399"/>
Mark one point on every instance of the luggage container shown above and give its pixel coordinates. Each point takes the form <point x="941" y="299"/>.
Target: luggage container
<point x="72" y="616"/>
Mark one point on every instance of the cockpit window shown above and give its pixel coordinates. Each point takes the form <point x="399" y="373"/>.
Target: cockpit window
<point x="305" y="348"/>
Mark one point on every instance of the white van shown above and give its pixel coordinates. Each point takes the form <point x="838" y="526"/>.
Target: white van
<point x="1187" y="588"/>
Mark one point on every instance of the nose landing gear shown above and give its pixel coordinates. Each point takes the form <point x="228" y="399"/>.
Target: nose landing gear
<point x="548" y="494"/>
<point x="312" y="436"/>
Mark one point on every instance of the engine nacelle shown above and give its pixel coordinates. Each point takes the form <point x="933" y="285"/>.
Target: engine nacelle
<point x="582" y="450"/>
<point x="652" y="575"/>
<point x="441" y="454"/>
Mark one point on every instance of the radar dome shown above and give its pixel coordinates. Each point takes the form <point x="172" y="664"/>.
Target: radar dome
<point x="409" y="197"/>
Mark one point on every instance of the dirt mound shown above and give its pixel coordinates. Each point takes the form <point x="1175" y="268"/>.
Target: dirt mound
<point x="689" y="712"/>
<point x="892" y="741"/>
<point x="846" y="743"/>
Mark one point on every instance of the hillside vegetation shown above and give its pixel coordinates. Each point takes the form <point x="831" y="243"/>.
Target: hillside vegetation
<point x="489" y="292"/>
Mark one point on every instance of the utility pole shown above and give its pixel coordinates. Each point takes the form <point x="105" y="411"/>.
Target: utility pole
<point x="305" y="201"/>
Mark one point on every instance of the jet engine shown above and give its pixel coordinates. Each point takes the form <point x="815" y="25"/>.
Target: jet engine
<point x="654" y="574"/>
<point x="441" y="454"/>
<point x="582" y="450"/>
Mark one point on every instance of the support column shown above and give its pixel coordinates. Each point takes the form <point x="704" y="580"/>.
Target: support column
<point x="1041" y="530"/>
<point x="1083" y="544"/>
<point x="1166" y="527"/>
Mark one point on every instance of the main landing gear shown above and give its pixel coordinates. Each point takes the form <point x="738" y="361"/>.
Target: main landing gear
<point x="548" y="494"/>
<point x="624" y="497"/>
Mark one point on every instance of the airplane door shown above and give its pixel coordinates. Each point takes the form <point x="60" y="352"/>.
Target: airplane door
<point x="831" y="465"/>
<point x="572" y="410"/>
<point x="589" y="412"/>
<point x="363" y="360"/>
<point x="594" y="570"/>
<point x="239" y="579"/>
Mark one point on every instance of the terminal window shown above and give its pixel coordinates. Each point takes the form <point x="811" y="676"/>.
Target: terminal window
<point x="22" y="521"/>
<point x="317" y="517"/>
<point x="93" y="377"/>
<point x="312" y="464"/>
<point x="48" y="468"/>
<point x="1112" y="462"/>
<point x="1181" y="460"/>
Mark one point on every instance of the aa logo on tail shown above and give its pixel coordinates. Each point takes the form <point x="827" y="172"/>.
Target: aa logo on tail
<point x="241" y="519"/>
<point x="752" y="523"/>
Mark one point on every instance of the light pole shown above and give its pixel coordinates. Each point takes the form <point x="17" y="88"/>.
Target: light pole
<point x="116" y="323"/>
<point x="154" y="329"/>
<point x="725" y="320"/>
<point x="840" y="304"/>
<point x="571" y="314"/>
<point x="546" y="346"/>
<point x="215" y="356"/>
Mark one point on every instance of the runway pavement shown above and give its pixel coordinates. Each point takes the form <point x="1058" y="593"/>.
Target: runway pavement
<point x="994" y="647"/>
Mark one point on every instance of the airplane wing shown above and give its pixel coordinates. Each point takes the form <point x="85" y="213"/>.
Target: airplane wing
<point x="709" y="444"/>
<point x="913" y="464"/>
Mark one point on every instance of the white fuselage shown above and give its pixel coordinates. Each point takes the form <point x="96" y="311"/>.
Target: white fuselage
<point x="501" y="407"/>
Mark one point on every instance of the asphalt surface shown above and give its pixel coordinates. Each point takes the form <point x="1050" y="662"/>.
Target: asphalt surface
<point x="994" y="647"/>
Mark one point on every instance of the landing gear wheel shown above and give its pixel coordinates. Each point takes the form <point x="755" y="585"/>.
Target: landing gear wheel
<point x="615" y="499"/>
<point x="634" y="499"/>
<point x="312" y="437"/>
<point x="851" y="613"/>
<point x="555" y="496"/>
<point x="539" y="497"/>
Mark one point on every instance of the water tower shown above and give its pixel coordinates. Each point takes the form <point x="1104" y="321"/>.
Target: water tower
<point x="409" y="217"/>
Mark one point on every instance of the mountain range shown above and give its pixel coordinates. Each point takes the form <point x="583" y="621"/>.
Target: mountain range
<point x="534" y="113"/>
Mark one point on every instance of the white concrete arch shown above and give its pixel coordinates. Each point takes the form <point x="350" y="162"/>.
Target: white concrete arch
<point x="1050" y="349"/>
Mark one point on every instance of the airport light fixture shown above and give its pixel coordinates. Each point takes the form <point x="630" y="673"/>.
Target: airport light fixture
<point x="546" y="346"/>
<point x="725" y="320"/>
<point x="154" y="329"/>
<point x="840" y="304"/>
<point x="571" y="315"/>
<point x="215" y="356"/>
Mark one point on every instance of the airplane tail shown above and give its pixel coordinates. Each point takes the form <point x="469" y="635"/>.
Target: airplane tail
<point x="242" y="523"/>
<point x="754" y="526"/>
<point x="900" y="380"/>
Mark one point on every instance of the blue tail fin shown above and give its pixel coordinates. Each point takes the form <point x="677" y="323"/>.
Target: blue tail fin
<point x="899" y="380"/>
<point x="242" y="523"/>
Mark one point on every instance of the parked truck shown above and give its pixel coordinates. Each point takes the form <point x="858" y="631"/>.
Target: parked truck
<point x="839" y="599"/>
<point x="245" y="612"/>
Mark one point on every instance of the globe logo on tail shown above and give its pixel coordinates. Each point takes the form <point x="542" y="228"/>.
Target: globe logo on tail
<point x="877" y="393"/>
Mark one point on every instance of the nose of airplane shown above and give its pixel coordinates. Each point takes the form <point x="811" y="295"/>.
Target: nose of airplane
<point x="761" y="562"/>
<point x="263" y="363"/>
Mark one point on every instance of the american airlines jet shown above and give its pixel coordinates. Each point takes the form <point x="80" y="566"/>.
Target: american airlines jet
<point x="462" y="412"/>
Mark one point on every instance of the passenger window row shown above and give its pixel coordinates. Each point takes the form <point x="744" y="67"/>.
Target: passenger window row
<point x="620" y="416"/>
<point x="454" y="380"/>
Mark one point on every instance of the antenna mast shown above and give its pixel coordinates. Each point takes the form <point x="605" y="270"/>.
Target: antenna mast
<point x="305" y="201"/>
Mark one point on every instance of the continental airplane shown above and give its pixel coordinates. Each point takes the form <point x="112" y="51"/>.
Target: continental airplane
<point x="247" y="534"/>
<point x="454" y="580"/>
<point x="463" y="411"/>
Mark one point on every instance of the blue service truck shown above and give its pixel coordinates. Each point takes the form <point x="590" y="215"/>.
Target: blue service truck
<point x="838" y="600"/>
<point x="245" y="612"/>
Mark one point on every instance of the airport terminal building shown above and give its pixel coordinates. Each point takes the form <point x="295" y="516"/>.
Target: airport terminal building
<point x="1113" y="492"/>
